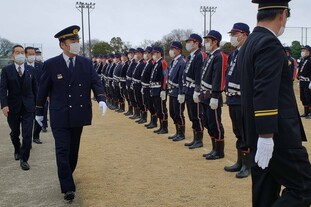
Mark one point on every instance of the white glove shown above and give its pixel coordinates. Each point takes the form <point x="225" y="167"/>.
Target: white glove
<point x="310" y="85"/>
<point x="264" y="151"/>
<point x="103" y="107"/>
<point x="195" y="97"/>
<point x="181" y="98"/>
<point x="163" y="95"/>
<point x="39" y="119"/>
<point x="213" y="103"/>
<point x="142" y="91"/>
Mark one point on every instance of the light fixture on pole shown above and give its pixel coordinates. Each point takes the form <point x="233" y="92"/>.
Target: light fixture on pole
<point x="80" y="6"/>
<point x="208" y="9"/>
<point x="90" y="7"/>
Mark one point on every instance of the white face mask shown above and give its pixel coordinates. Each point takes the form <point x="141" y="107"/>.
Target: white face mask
<point x="189" y="46"/>
<point x="282" y="29"/>
<point x="172" y="53"/>
<point x="145" y="56"/>
<point x="154" y="57"/>
<point x="115" y="60"/>
<point x="303" y="54"/>
<point x="130" y="56"/>
<point x="19" y="58"/>
<point x="31" y="58"/>
<point x="234" y="41"/>
<point x="208" y="46"/>
<point x="122" y="59"/>
<point x="39" y="58"/>
<point x="107" y="61"/>
<point x="74" y="48"/>
<point x="135" y="57"/>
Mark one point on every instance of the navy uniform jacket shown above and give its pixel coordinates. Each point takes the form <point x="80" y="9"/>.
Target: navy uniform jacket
<point x="117" y="74"/>
<point x="233" y="88"/>
<point x="124" y="68"/>
<point x="70" y="94"/>
<point x="192" y="73"/>
<point x="136" y="77"/>
<point x="292" y="65"/>
<point x="15" y="93"/>
<point x="304" y="74"/>
<point x="129" y="74"/>
<point x="38" y="71"/>
<point x="268" y="100"/>
<point x="176" y="71"/>
<point x="158" y="78"/>
<point x="146" y="74"/>
<point x="110" y="74"/>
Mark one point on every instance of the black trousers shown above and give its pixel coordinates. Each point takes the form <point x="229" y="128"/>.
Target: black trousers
<point x="177" y="111"/>
<point x="212" y="121"/>
<point x="237" y="126"/>
<point x="67" y="143"/>
<point x="148" y="101"/>
<point x="195" y="113"/>
<point x="22" y="119"/>
<point x="45" y="115"/>
<point x="289" y="168"/>
<point x="118" y="96"/>
<point x="139" y="99"/>
<point x="36" y="130"/>
<point x="132" y="97"/>
<point x="160" y="107"/>
<point x="305" y="93"/>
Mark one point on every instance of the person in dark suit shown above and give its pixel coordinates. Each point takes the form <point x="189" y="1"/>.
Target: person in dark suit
<point x="68" y="80"/>
<point x="271" y="122"/>
<point x="18" y="90"/>
<point x="30" y="60"/>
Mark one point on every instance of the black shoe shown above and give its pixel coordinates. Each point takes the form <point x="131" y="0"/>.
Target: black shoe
<point x="69" y="196"/>
<point x="16" y="155"/>
<point x="44" y="129"/>
<point x="178" y="138"/>
<point x="24" y="165"/>
<point x="37" y="141"/>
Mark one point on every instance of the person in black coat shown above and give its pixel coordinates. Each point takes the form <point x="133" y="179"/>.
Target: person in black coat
<point x="18" y="90"/>
<point x="271" y="122"/>
<point x="68" y="79"/>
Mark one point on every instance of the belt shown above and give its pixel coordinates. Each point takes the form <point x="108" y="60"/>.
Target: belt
<point x="233" y="93"/>
<point x="301" y="78"/>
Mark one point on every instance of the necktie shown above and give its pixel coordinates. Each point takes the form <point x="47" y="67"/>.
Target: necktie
<point x="20" y="73"/>
<point x="71" y="65"/>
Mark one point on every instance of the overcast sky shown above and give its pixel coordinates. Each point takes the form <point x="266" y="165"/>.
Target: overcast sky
<point x="37" y="21"/>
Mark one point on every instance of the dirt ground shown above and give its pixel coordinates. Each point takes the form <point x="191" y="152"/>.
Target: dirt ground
<point x="123" y="164"/>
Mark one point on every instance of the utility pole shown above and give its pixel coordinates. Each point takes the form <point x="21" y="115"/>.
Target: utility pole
<point x="90" y="7"/>
<point x="203" y="11"/>
<point x="211" y="10"/>
<point x="80" y="6"/>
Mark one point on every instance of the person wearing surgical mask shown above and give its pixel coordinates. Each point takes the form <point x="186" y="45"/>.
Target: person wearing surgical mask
<point x="39" y="57"/>
<point x="18" y="91"/>
<point x="31" y="61"/>
<point x="68" y="79"/>
<point x="238" y="34"/>
<point x="280" y="167"/>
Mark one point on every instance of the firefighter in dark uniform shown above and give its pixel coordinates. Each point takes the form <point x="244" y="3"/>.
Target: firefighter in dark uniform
<point x="145" y="81"/>
<point x="105" y="65"/>
<point x="176" y="71"/>
<point x="212" y="85"/>
<point x="116" y="81"/>
<point x="304" y="77"/>
<point x="122" y="83"/>
<point x="113" y="100"/>
<point x="129" y="86"/>
<point x="191" y="86"/>
<point x="239" y="34"/>
<point x="125" y="65"/>
<point x="136" y="77"/>
<point x="271" y="122"/>
<point x="158" y="89"/>
<point x="292" y="64"/>
<point x="68" y="80"/>
<point x="106" y="80"/>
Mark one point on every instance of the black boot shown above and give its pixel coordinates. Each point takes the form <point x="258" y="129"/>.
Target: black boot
<point x="197" y="140"/>
<point x="154" y="120"/>
<point x="161" y="125"/>
<point x="237" y="166"/>
<point x="117" y="104"/>
<point x="213" y="148"/>
<point x="109" y="103"/>
<point x="143" y="117"/>
<point x="306" y="112"/>
<point x="140" y="117"/>
<point x="113" y="105"/>
<point x="176" y="134"/>
<point x="246" y="168"/>
<point x="219" y="152"/>
<point x="129" y="112"/>
<point x="136" y="114"/>
<point x="181" y="133"/>
<point x="191" y="143"/>
<point x="122" y="108"/>
<point x="164" y="129"/>
<point x="146" y="125"/>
